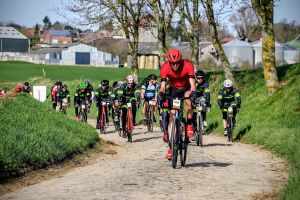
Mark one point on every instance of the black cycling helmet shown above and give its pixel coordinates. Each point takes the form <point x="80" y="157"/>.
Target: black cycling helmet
<point x="115" y="84"/>
<point x="152" y="77"/>
<point x="105" y="83"/>
<point x="200" y="73"/>
<point x="26" y="83"/>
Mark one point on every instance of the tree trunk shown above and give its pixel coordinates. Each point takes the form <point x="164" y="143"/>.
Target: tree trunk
<point x="265" y="11"/>
<point x="134" y="54"/>
<point x="162" y="43"/>
<point x="216" y="42"/>
<point x="195" y="52"/>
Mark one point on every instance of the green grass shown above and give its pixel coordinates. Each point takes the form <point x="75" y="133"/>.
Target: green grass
<point x="272" y="122"/>
<point x="13" y="71"/>
<point x="33" y="136"/>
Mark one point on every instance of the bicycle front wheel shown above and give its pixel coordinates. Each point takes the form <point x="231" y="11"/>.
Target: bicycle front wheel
<point x="174" y="144"/>
<point x="199" y="134"/>
<point x="129" y="125"/>
<point x="150" y="119"/>
<point x="229" y="129"/>
<point x="184" y="145"/>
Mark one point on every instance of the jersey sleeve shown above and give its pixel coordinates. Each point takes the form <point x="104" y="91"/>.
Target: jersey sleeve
<point x="191" y="71"/>
<point x="143" y="87"/>
<point x="163" y="72"/>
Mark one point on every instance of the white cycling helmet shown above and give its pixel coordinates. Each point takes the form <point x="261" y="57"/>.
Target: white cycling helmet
<point x="129" y="79"/>
<point x="227" y="83"/>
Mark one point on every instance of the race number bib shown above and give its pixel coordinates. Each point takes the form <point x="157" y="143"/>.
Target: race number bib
<point x="176" y="104"/>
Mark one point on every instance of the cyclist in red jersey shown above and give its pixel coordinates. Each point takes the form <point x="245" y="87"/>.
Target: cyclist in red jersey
<point x="181" y="77"/>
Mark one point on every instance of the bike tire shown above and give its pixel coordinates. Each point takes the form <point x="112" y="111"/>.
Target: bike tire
<point x="199" y="134"/>
<point x="129" y="125"/>
<point x="174" y="144"/>
<point x="229" y="129"/>
<point x="103" y="121"/>
<point x="184" y="145"/>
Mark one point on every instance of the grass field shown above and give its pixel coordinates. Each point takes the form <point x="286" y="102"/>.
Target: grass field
<point x="33" y="136"/>
<point x="272" y="122"/>
<point x="12" y="71"/>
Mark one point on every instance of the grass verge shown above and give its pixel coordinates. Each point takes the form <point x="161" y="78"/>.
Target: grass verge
<point x="32" y="136"/>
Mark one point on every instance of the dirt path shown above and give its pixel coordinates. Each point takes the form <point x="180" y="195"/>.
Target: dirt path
<point x="219" y="170"/>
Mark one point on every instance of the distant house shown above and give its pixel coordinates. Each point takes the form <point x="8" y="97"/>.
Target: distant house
<point x="74" y="54"/>
<point x="56" y="37"/>
<point x="12" y="41"/>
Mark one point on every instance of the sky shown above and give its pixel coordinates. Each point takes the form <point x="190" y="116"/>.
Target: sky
<point x="30" y="12"/>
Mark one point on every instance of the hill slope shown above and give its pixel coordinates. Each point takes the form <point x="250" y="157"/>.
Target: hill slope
<point x="33" y="136"/>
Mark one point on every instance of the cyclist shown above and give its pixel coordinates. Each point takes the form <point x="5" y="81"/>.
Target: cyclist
<point x="63" y="93"/>
<point x="90" y="89"/>
<point x="228" y="95"/>
<point x="129" y="92"/>
<point x="113" y="95"/>
<point x="102" y="95"/>
<point x="54" y="91"/>
<point x="3" y="91"/>
<point x="82" y="93"/>
<point x="202" y="90"/>
<point x="148" y="92"/>
<point x="182" y="84"/>
<point x="26" y="88"/>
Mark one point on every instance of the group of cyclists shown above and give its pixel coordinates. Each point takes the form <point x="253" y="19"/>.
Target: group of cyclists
<point x="177" y="80"/>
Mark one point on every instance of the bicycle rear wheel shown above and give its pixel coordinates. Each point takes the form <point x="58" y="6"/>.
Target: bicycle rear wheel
<point x="174" y="144"/>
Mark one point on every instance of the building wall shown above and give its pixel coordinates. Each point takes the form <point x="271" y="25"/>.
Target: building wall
<point x="61" y="39"/>
<point x="13" y="45"/>
<point x="49" y="39"/>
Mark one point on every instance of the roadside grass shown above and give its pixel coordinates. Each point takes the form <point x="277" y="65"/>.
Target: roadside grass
<point x="32" y="136"/>
<point x="270" y="121"/>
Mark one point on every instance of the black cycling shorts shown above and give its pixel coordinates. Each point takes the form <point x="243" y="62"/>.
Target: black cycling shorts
<point x="175" y="92"/>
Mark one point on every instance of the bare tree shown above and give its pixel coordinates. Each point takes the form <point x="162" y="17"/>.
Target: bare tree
<point x="210" y="15"/>
<point x="264" y="10"/>
<point x="245" y="22"/>
<point x="286" y="31"/>
<point x="163" y="11"/>
<point x="190" y="17"/>
<point x="125" y="13"/>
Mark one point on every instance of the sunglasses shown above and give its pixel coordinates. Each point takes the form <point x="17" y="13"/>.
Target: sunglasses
<point x="199" y="77"/>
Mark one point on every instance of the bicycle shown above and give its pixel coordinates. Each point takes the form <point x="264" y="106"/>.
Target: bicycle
<point x="64" y="106"/>
<point x="103" y="123"/>
<point x="150" y="115"/>
<point x="230" y="125"/>
<point x="129" y="121"/>
<point x="200" y="107"/>
<point x="83" y="110"/>
<point x="116" y="116"/>
<point x="179" y="140"/>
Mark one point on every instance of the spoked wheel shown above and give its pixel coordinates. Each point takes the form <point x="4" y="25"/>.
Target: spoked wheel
<point x="150" y="120"/>
<point x="184" y="145"/>
<point x="229" y="129"/>
<point x="129" y="127"/>
<point x="174" y="145"/>
<point x="103" y="123"/>
<point x="199" y="133"/>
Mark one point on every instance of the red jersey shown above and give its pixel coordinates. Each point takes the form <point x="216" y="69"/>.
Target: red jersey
<point x="180" y="78"/>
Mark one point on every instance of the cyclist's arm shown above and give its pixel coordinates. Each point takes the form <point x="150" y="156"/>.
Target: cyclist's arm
<point x="137" y="93"/>
<point x="207" y="93"/>
<point x="219" y="99"/>
<point x="143" y="90"/>
<point x="163" y="86"/>
<point x="238" y="99"/>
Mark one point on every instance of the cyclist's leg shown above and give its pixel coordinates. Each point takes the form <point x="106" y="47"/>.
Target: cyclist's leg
<point x="224" y="115"/>
<point x="77" y="104"/>
<point x="165" y="124"/>
<point x="189" y="114"/>
<point x="145" y="109"/>
<point x="124" y="115"/>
